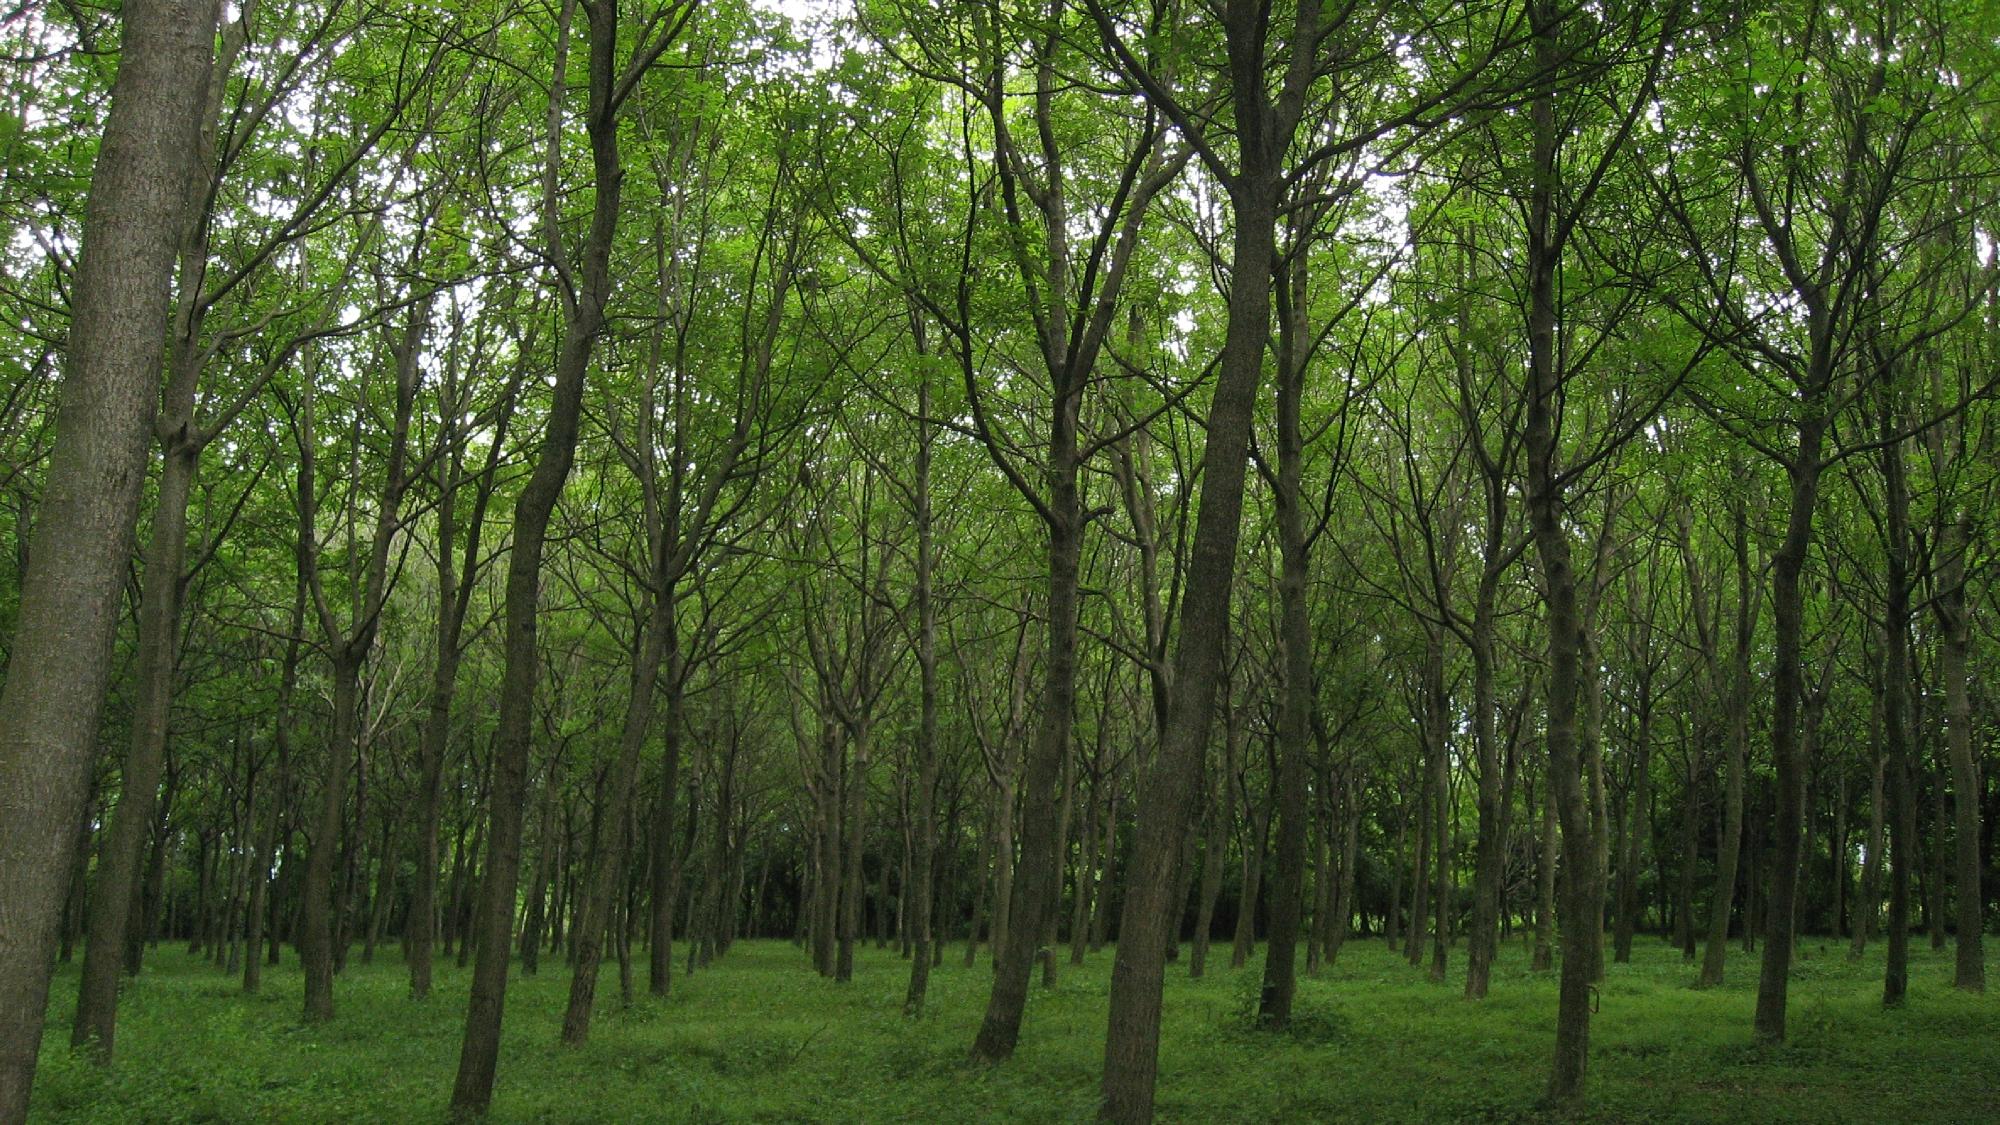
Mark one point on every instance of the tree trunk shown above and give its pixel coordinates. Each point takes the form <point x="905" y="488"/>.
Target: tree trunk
<point x="1420" y="870"/>
<point x="1489" y="860"/>
<point x="1439" y="719"/>
<point x="1955" y="642"/>
<point x="1637" y="832"/>
<point x="1896" y="725"/>
<point x="420" y="932"/>
<point x="1150" y="914"/>
<point x="1350" y="855"/>
<point x="1295" y="704"/>
<point x="666" y="860"/>
<point x="607" y="866"/>
<point x="1545" y="511"/>
<point x="551" y="859"/>
<point x="1868" y="899"/>
<point x="68" y="608"/>
<point x="385" y="887"/>
<point x="1215" y="841"/>
<point x="1836" y="851"/>
<point x="267" y="835"/>
<point x="923" y="875"/>
<point x="1038" y="881"/>
<point x="1544" y="957"/>
<point x="1060" y="860"/>
<point x="1256" y="841"/>
<point x="853" y="829"/>
<point x="980" y="884"/>
<point x="118" y="862"/>
<point x="584" y="319"/>
<point x="1787" y="751"/>
<point x="1729" y="848"/>
<point x="1690" y="854"/>
<point x="316" y="946"/>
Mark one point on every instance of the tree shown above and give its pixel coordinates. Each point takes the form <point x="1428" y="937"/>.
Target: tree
<point x="584" y="285"/>
<point x="60" y="660"/>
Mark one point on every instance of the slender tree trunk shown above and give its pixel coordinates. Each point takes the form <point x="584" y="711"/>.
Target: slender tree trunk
<point x="1256" y="841"/>
<point x="1787" y="749"/>
<point x="1940" y="877"/>
<point x="1085" y="879"/>
<point x="1729" y="847"/>
<point x="1591" y="738"/>
<point x="384" y="887"/>
<point x="1398" y="860"/>
<point x="1420" y="869"/>
<point x="1213" y="856"/>
<point x="1107" y="868"/>
<point x="1544" y="957"/>
<point x="826" y="851"/>
<point x="980" y="883"/>
<point x="1896" y="725"/>
<point x="420" y="934"/>
<point x="584" y="319"/>
<point x="1955" y="642"/>
<point x="1037" y="880"/>
<point x="1439" y="719"/>
<point x="1836" y="851"/>
<point x="1324" y="880"/>
<point x="263" y="855"/>
<point x="1053" y="916"/>
<point x="1295" y="704"/>
<point x="854" y="839"/>
<point x="607" y="867"/>
<point x="1489" y="860"/>
<point x="1350" y="858"/>
<point x="544" y="890"/>
<point x="1215" y="843"/>
<point x="1690" y="854"/>
<point x="1868" y="899"/>
<point x="1545" y="510"/>
<point x="118" y="863"/>
<point x="1636" y="829"/>
<point x="666" y="862"/>
<point x="316" y="923"/>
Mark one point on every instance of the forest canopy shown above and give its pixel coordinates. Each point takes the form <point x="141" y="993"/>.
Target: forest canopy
<point x="1505" y="489"/>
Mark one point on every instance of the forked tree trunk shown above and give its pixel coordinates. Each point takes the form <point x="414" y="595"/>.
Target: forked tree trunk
<point x="583" y="320"/>
<point x="1546" y="515"/>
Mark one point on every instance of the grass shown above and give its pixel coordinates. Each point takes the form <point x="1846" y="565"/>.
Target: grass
<point x="758" y="1037"/>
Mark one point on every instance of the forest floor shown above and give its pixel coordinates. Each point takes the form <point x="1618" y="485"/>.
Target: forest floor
<point x="758" y="1037"/>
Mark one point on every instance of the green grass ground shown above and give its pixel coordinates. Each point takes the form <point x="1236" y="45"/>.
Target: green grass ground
<point x="760" y="1038"/>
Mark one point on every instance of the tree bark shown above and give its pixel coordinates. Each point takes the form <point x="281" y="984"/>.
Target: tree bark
<point x="1215" y="843"/>
<point x="1296" y="692"/>
<point x="1728" y="849"/>
<point x="1131" y="1051"/>
<point x="67" y="613"/>
<point x="607" y="866"/>
<point x="1896" y="725"/>
<point x="923" y="874"/>
<point x="1954" y="644"/>
<point x="1545" y="510"/>
<point x="583" y="321"/>
<point x="1787" y="751"/>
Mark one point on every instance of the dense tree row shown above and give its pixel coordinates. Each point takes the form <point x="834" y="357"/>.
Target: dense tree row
<point x="1018" y="481"/>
